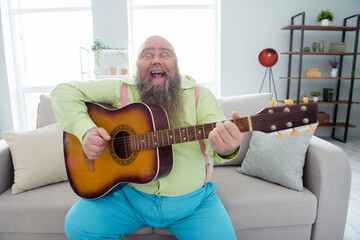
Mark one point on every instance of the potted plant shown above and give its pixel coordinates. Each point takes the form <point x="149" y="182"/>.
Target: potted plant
<point x="334" y="63"/>
<point x="325" y="17"/>
<point x="99" y="46"/>
<point x="315" y="95"/>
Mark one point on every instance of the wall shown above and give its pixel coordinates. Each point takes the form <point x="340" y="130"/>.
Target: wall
<point x="248" y="27"/>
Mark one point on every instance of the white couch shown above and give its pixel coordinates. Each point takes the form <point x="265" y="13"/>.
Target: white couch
<point x="258" y="209"/>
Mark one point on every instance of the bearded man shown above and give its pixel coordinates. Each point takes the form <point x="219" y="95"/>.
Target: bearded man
<point x="183" y="201"/>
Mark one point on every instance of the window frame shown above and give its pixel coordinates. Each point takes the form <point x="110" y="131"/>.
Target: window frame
<point x="17" y="89"/>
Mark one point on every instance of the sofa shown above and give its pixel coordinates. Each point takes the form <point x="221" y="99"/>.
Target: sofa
<point x="259" y="209"/>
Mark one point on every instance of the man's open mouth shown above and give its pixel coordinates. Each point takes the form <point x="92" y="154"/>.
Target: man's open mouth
<point x="158" y="74"/>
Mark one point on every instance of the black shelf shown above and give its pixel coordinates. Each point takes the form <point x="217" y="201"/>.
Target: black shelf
<point x="343" y="29"/>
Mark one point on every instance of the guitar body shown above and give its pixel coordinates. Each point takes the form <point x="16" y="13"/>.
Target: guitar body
<point x="118" y="163"/>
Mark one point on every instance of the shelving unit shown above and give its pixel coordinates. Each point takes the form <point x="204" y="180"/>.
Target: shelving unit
<point x="344" y="29"/>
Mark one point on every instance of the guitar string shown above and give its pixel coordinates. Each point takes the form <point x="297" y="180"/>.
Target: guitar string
<point x="130" y="138"/>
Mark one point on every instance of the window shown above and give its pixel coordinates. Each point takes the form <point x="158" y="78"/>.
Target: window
<point x="192" y="26"/>
<point x="45" y="38"/>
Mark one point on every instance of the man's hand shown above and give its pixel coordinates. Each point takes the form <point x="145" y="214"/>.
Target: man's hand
<point x="226" y="137"/>
<point x="94" y="142"/>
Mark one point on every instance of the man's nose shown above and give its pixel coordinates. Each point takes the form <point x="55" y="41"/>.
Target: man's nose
<point x="156" y="61"/>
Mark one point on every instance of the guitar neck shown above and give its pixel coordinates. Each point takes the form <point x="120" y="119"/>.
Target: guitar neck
<point x="168" y="137"/>
<point x="268" y="120"/>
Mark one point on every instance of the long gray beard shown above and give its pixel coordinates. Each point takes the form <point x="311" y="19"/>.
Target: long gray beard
<point x="167" y="95"/>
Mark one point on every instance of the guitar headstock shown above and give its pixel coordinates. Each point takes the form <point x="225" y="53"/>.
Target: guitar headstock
<point x="279" y="118"/>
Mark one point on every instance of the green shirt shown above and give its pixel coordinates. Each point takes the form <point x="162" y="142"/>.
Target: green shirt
<point x="188" y="173"/>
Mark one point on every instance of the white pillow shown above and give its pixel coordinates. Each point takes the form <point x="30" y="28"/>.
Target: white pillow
<point x="38" y="157"/>
<point x="278" y="160"/>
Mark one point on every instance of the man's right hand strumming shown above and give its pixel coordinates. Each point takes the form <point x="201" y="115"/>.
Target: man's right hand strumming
<point x="94" y="142"/>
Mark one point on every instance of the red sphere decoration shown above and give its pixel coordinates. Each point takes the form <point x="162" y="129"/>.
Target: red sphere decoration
<point x="268" y="57"/>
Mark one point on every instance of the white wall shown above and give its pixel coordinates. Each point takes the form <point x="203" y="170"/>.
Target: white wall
<point x="248" y="27"/>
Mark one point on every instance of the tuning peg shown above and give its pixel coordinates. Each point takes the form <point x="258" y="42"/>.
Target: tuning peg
<point x="305" y="100"/>
<point x="278" y="135"/>
<point x="273" y="104"/>
<point x="310" y="129"/>
<point x="294" y="132"/>
<point x="288" y="102"/>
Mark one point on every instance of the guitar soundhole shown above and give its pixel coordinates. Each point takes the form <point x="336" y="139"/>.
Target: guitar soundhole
<point x="120" y="147"/>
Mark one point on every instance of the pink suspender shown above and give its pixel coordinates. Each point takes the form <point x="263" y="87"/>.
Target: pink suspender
<point x="202" y="144"/>
<point x="124" y="95"/>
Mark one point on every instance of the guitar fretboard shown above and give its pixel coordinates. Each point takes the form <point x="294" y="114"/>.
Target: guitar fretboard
<point x="168" y="137"/>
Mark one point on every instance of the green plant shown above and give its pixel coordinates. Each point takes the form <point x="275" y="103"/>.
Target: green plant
<point x="98" y="46"/>
<point x="325" y="15"/>
<point x="315" y="94"/>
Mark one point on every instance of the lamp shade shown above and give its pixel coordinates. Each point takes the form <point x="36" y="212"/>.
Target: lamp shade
<point x="268" y="57"/>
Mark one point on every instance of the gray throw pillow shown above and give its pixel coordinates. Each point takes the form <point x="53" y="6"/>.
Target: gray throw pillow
<point x="278" y="160"/>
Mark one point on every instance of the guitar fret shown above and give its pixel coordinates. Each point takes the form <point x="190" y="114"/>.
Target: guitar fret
<point x="157" y="137"/>
<point x="167" y="133"/>
<point x="187" y="133"/>
<point x="131" y="143"/>
<point x="204" y="133"/>
<point x="136" y="142"/>
<point x="183" y="135"/>
<point x="152" y="140"/>
<point x="162" y="137"/>
<point x="195" y="133"/>
<point x="180" y="135"/>
<point x="144" y="141"/>
<point x="141" y="145"/>
<point x="174" y="135"/>
<point x="148" y="139"/>
<point x="139" y="141"/>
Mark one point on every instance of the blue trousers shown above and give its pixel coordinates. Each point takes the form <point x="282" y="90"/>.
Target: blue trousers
<point x="196" y="216"/>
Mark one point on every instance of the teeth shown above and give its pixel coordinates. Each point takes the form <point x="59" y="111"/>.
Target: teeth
<point x="157" y="72"/>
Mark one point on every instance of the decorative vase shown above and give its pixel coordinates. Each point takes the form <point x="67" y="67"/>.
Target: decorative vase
<point x="315" y="46"/>
<point x="334" y="72"/>
<point x="315" y="99"/>
<point x="321" y="46"/>
<point x="328" y="94"/>
<point x="325" y="22"/>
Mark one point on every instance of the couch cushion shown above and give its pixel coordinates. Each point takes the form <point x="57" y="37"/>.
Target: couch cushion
<point x="45" y="114"/>
<point x="254" y="203"/>
<point x="37" y="157"/>
<point x="245" y="105"/>
<point x="40" y="210"/>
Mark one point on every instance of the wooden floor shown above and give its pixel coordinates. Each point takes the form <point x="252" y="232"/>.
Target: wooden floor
<point x="352" y="149"/>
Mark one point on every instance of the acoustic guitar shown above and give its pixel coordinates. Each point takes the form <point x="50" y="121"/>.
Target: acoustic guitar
<point x="140" y="147"/>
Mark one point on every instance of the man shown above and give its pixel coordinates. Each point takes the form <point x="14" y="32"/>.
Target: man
<point x="180" y="201"/>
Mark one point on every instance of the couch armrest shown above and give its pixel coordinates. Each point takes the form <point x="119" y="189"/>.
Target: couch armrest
<point x="6" y="167"/>
<point x="327" y="174"/>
